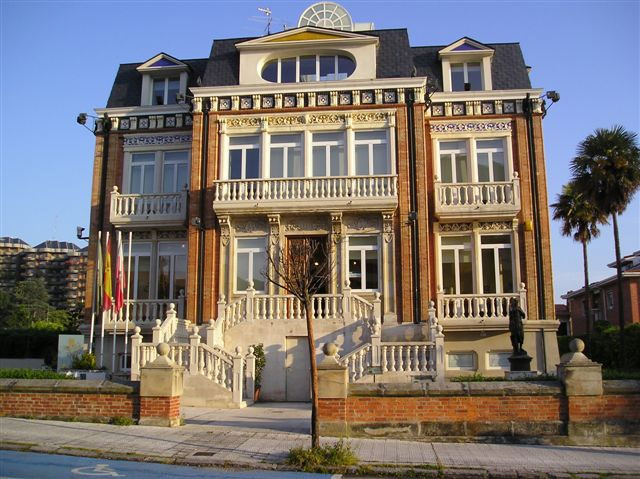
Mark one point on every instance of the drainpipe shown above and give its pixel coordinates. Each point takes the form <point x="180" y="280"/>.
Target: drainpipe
<point x="106" y="128"/>
<point x="527" y="107"/>
<point x="413" y="213"/>
<point x="203" y="190"/>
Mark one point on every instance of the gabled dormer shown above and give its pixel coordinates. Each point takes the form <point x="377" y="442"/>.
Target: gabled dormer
<point x="466" y="66"/>
<point x="307" y="54"/>
<point x="163" y="79"/>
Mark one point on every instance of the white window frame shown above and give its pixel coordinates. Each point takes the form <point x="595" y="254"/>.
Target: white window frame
<point x="317" y="73"/>
<point x="474" y="356"/>
<point x="135" y="260"/>
<point x="363" y="265"/>
<point x="496" y="262"/>
<point x="166" y="89"/>
<point x="175" y="251"/>
<point x="158" y="181"/>
<point x="243" y="148"/>
<point x="175" y="164"/>
<point x="456" y="258"/>
<point x="465" y="73"/>
<point x="490" y="152"/>
<point x="452" y="153"/>
<point x="327" y="144"/>
<point x="500" y="352"/>
<point x="251" y="251"/>
<point x="285" y="146"/>
<point x="369" y="143"/>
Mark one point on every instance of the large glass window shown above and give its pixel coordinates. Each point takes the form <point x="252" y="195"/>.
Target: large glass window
<point x="165" y="90"/>
<point x="466" y="76"/>
<point x="491" y="160"/>
<point x="363" y="262"/>
<point x="251" y="262"/>
<point x="372" y="156"/>
<point x="497" y="264"/>
<point x="172" y="269"/>
<point x="175" y="171"/>
<point x="244" y="157"/>
<point x="309" y="68"/>
<point x="454" y="167"/>
<point x="286" y="158"/>
<point x="142" y="177"/>
<point x="457" y="270"/>
<point x="328" y="155"/>
<point x="140" y="278"/>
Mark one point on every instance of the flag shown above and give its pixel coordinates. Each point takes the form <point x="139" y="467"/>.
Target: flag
<point x="106" y="289"/>
<point x="119" y="299"/>
<point x="99" y="274"/>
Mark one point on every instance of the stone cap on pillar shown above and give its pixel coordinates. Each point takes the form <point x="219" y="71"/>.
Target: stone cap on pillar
<point x="330" y="360"/>
<point x="580" y="375"/>
<point x="161" y="377"/>
<point x="162" y="361"/>
<point x="576" y="357"/>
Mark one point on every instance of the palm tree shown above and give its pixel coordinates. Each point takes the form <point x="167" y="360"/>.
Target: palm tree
<point x="607" y="171"/>
<point x="580" y="220"/>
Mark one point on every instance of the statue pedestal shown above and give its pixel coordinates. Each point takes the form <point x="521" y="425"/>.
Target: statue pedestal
<point x="520" y="362"/>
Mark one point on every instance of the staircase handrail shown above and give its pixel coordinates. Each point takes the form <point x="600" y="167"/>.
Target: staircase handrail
<point x="357" y="361"/>
<point x="163" y="331"/>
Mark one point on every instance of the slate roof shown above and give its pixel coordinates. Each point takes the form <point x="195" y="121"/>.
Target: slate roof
<point x="396" y="58"/>
<point x="15" y="242"/>
<point x="59" y="245"/>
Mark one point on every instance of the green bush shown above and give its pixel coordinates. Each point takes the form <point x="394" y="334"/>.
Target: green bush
<point x="31" y="374"/>
<point x="85" y="360"/>
<point x="474" y="378"/>
<point x="320" y="458"/>
<point x="604" y="346"/>
<point x="258" y="352"/>
<point x="122" y="421"/>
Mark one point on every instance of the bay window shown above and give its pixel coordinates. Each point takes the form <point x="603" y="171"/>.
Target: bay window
<point x="363" y="257"/>
<point x="251" y="262"/>
<point x="157" y="172"/>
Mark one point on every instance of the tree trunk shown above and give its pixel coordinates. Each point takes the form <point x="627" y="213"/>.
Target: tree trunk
<point x="616" y="239"/>
<point x="587" y="293"/>
<point x="315" y="437"/>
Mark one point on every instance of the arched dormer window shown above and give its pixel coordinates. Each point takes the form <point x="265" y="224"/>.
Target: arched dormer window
<point x="308" y="68"/>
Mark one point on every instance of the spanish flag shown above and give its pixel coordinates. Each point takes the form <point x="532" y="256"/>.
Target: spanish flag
<point x="106" y="289"/>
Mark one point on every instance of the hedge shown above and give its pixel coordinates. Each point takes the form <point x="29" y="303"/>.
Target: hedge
<point x="29" y="343"/>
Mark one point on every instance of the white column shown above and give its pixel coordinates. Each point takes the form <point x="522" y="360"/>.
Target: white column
<point x="238" y="376"/>
<point x="472" y="160"/>
<point x="224" y="150"/>
<point x="350" y="147"/>
<point x="265" y="153"/>
<point x="194" y="349"/>
<point x="308" y="154"/>
<point x="388" y="266"/>
<point x="392" y="142"/>
<point x="477" y="259"/>
<point x="136" y="340"/>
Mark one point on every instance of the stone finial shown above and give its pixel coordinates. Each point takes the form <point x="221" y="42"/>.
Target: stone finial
<point x="115" y="189"/>
<point x="136" y="331"/>
<point x="251" y="350"/>
<point x="212" y="322"/>
<point x="158" y="323"/>
<point x="238" y="350"/>
<point x="330" y="349"/>
<point x="163" y="349"/>
<point x="172" y="308"/>
<point x="195" y="330"/>
<point x="576" y="346"/>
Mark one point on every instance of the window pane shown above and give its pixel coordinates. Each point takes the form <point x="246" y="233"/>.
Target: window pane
<point x="338" y="163"/>
<point x="499" y="167"/>
<point x="462" y="173"/>
<point x="288" y="70"/>
<point x="235" y="164"/>
<point x="183" y="177"/>
<point x="164" y="263"/>
<point x="337" y="137"/>
<point x="157" y="97"/>
<point x="355" y="269"/>
<point x="319" y="161"/>
<point x="258" y="243"/>
<point x="242" y="271"/>
<point x="168" y="178"/>
<point x="445" y="168"/>
<point x="277" y="158"/>
<point x="457" y="77"/>
<point x="448" y="271"/>
<point x="371" y="135"/>
<point x="134" y="183"/>
<point x="466" y="272"/>
<point x="270" y="71"/>
<point x="144" y="269"/>
<point x="278" y="139"/>
<point x="474" y="76"/>
<point x="295" y="162"/>
<point x="362" y="159"/>
<point x="490" y="144"/>
<point x="148" y="173"/>
<point x="327" y="68"/>
<point x="346" y="66"/>
<point x="488" y="271"/>
<point x="453" y="145"/>
<point x="371" y="258"/>
<point x="483" y="167"/>
<point x="143" y="158"/>
<point x="464" y="241"/>
<point x="380" y="160"/>
<point x="259" y="264"/>
<point x="506" y="270"/>
<point x="173" y="90"/>
<point x="460" y="360"/>
<point x="244" y="140"/>
<point x="308" y="68"/>
<point x="495" y="239"/>
<point x="363" y="241"/>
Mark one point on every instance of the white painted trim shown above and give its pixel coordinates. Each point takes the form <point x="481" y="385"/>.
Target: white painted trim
<point x="460" y="96"/>
<point x="452" y="46"/>
<point x="144" y="110"/>
<point x="146" y="66"/>
<point x="268" y="41"/>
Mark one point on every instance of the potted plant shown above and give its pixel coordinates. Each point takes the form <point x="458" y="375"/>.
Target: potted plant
<point x="258" y="352"/>
<point x="83" y="366"/>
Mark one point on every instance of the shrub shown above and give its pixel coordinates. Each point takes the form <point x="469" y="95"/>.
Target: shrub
<point x="258" y="352"/>
<point x="31" y="374"/>
<point x="30" y="343"/>
<point x="85" y="360"/>
<point x="605" y="346"/>
<point x="474" y="378"/>
<point x="320" y="458"/>
<point x="618" y="374"/>
<point x="122" y="421"/>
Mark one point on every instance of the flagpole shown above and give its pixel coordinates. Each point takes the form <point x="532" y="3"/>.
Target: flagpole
<point x="113" y="353"/>
<point x="103" y="312"/>
<point x="116" y="305"/>
<point x="126" y="329"/>
<point x="93" y="299"/>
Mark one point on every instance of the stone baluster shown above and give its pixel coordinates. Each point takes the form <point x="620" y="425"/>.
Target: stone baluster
<point x="250" y="303"/>
<point x="522" y="291"/>
<point x="222" y="305"/>
<point x="157" y="330"/>
<point x="238" y="376"/>
<point x="383" y="359"/>
<point x="194" y="346"/>
<point x="136" y="340"/>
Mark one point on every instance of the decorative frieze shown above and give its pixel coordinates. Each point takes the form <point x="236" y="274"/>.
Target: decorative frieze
<point x="362" y="223"/>
<point x="363" y="117"/>
<point x="173" y="235"/>
<point x="242" y="122"/>
<point x="154" y="140"/>
<point x="455" y="227"/>
<point x="387" y="226"/>
<point x="336" y="227"/>
<point x="306" y="224"/>
<point x="274" y="229"/>
<point x="470" y="126"/>
<point x="225" y="230"/>
<point x="250" y="227"/>
<point x="286" y="120"/>
<point x="495" y="226"/>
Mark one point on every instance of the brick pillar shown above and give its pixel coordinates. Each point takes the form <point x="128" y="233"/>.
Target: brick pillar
<point x="160" y="391"/>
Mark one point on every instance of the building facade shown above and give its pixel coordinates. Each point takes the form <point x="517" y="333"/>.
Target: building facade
<point x="604" y="298"/>
<point x="420" y="168"/>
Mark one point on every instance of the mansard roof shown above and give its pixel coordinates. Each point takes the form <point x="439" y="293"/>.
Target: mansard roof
<point x="395" y="59"/>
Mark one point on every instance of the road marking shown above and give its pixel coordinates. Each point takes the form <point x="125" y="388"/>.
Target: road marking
<point x="97" y="470"/>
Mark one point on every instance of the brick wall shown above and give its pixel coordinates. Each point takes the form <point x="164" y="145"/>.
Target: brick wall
<point x="606" y="407"/>
<point x="160" y="407"/>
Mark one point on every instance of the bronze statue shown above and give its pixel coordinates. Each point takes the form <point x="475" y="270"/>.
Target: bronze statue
<point x="516" y="315"/>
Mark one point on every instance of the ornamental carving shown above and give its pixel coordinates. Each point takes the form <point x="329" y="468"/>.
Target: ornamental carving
<point x="172" y="235"/>
<point x="142" y="235"/>
<point x="306" y="225"/>
<point x="455" y="227"/>
<point x="225" y="230"/>
<point x="153" y="140"/>
<point x="250" y="227"/>
<point x="495" y="226"/>
<point x="336" y="227"/>
<point x="470" y="126"/>
<point x="369" y="117"/>
<point x="274" y="229"/>
<point x="387" y="226"/>
<point x="243" y="122"/>
<point x="325" y="119"/>
<point x="286" y="120"/>
<point x="362" y="223"/>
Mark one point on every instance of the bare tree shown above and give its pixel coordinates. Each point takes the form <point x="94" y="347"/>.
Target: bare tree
<point x="303" y="269"/>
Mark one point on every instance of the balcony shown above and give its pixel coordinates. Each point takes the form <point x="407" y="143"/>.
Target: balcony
<point x="144" y="210"/>
<point x="497" y="199"/>
<point x="306" y="194"/>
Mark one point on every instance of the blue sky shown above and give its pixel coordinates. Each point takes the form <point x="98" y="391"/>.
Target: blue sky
<point x="59" y="58"/>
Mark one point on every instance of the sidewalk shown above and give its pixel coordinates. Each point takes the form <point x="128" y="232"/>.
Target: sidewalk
<point x="261" y="437"/>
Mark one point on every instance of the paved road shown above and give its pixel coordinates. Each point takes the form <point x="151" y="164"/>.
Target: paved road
<point x="29" y="465"/>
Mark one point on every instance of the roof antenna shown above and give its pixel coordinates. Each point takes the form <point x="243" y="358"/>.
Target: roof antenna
<point x="267" y="12"/>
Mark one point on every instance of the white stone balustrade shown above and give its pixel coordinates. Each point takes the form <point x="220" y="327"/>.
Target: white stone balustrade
<point x="148" y="209"/>
<point x="281" y="194"/>
<point x="358" y="362"/>
<point x="498" y="198"/>
<point x="479" y="306"/>
<point x="146" y="311"/>
<point x="407" y="357"/>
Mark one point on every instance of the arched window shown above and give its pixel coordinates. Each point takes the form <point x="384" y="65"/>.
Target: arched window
<point x="308" y="68"/>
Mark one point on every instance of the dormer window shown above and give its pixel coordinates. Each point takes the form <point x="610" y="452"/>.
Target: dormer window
<point x="165" y="91"/>
<point x="308" y="68"/>
<point x="466" y="76"/>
